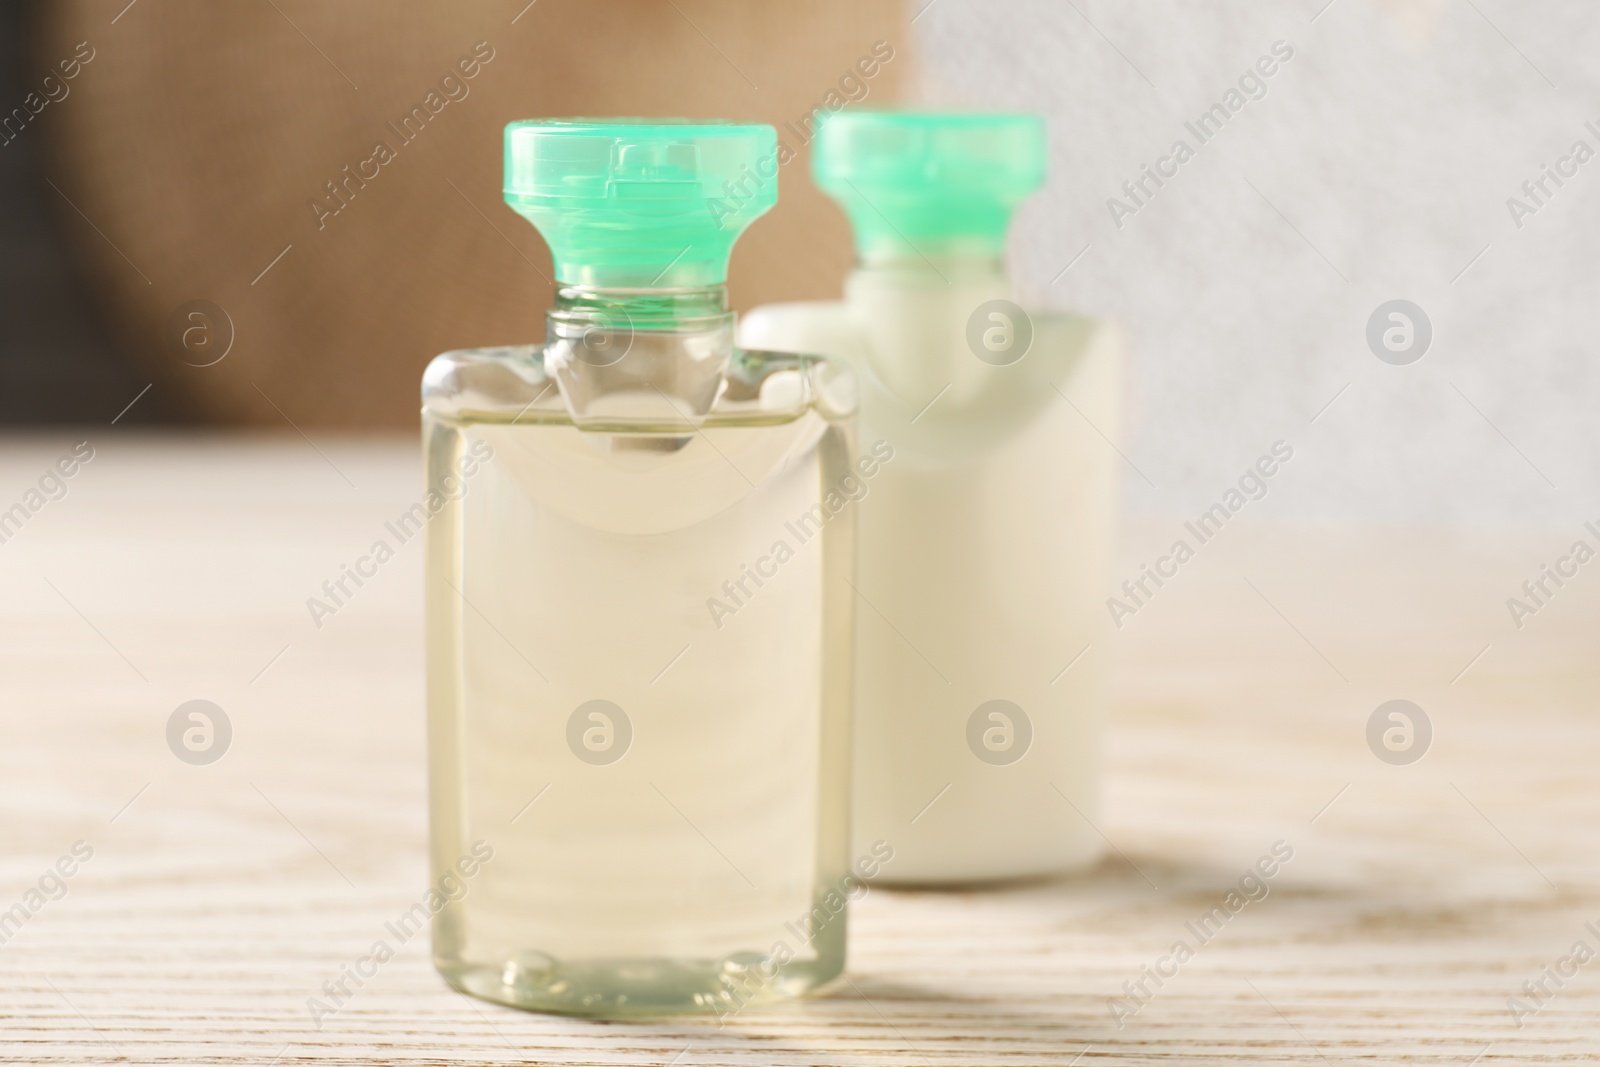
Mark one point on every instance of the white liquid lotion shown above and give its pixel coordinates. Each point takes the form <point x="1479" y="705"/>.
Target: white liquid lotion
<point x="984" y="546"/>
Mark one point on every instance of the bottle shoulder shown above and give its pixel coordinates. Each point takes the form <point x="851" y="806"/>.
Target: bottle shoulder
<point x="487" y="378"/>
<point x="811" y="326"/>
<point x="877" y="324"/>
<point x="955" y="373"/>
<point x="517" y="383"/>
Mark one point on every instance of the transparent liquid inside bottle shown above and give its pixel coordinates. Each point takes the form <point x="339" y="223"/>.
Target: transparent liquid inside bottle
<point x="663" y="782"/>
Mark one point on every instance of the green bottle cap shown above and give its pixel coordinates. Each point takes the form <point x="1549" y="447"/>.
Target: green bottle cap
<point x="942" y="183"/>
<point x="640" y="203"/>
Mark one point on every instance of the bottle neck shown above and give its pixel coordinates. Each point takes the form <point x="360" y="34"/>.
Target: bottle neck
<point x="940" y="265"/>
<point x="917" y="316"/>
<point x="959" y="280"/>
<point x="584" y="308"/>
<point x="625" y="355"/>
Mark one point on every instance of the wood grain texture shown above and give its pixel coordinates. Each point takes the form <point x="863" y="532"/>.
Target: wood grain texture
<point x="219" y="898"/>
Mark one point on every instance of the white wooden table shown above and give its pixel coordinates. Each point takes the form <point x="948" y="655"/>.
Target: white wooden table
<point x="219" y="898"/>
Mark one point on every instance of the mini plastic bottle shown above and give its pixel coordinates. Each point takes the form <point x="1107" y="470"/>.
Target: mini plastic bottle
<point x="638" y="677"/>
<point x="981" y="637"/>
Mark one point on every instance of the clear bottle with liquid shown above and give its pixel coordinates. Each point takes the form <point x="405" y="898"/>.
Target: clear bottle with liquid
<point x="985" y="542"/>
<point x="639" y="801"/>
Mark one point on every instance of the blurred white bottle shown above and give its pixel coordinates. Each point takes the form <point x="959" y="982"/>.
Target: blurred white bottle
<point x="985" y="540"/>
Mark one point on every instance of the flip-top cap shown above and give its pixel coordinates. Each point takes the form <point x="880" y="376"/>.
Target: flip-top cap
<point x="942" y="182"/>
<point x="640" y="203"/>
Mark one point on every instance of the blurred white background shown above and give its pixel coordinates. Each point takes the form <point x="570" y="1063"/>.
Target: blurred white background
<point x="1381" y="156"/>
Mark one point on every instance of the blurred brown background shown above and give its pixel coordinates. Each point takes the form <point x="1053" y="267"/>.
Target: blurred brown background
<point x="179" y="161"/>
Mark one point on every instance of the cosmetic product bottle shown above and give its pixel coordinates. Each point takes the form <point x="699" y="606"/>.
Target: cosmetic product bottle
<point x="985" y="542"/>
<point x="638" y="676"/>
